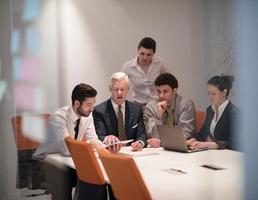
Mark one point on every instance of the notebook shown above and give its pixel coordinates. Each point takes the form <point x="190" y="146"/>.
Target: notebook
<point x="174" y="139"/>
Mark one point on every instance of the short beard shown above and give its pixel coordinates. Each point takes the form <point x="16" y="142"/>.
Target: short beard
<point x="81" y="113"/>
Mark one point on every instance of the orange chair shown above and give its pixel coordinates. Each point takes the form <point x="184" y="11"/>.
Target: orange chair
<point x="200" y="117"/>
<point x="91" y="183"/>
<point x="23" y="142"/>
<point x="124" y="176"/>
<point x="29" y="172"/>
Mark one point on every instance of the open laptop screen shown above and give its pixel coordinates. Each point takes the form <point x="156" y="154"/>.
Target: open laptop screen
<point x="172" y="138"/>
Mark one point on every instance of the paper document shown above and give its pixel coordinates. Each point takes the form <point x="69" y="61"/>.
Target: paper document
<point x="118" y="142"/>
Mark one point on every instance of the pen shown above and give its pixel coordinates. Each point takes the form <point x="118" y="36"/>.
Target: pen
<point x="178" y="170"/>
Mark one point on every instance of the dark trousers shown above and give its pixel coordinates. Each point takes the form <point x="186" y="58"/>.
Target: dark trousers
<point x="90" y="191"/>
<point x="60" y="181"/>
<point x="110" y="192"/>
<point x="29" y="171"/>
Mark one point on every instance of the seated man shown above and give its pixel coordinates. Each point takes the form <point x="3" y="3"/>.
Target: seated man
<point x="171" y="109"/>
<point x="118" y="119"/>
<point x="73" y="121"/>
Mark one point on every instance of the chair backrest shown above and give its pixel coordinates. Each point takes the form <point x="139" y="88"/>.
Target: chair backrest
<point x="22" y="141"/>
<point x="125" y="178"/>
<point x="200" y="117"/>
<point x="85" y="161"/>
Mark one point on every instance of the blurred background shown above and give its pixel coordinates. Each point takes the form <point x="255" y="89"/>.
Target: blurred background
<point x="49" y="46"/>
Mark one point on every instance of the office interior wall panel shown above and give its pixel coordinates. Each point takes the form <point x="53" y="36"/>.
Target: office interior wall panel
<point x="99" y="36"/>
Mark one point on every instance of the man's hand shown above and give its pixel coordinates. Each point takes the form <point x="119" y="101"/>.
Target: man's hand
<point x="136" y="146"/>
<point x="110" y="139"/>
<point x="115" y="148"/>
<point x="203" y="145"/>
<point x="190" y="141"/>
<point x="154" y="142"/>
<point x="161" y="108"/>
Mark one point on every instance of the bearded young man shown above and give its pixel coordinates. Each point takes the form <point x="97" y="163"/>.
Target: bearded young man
<point x="73" y="121"/>
<point x="171" y="109"/>
<point x="62" y="123"/>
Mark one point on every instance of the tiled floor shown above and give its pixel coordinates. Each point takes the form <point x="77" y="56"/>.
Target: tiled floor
<point x="26" y="194"/>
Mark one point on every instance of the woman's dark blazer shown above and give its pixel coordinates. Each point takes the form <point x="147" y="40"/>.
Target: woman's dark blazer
<point x="224" y="130"/>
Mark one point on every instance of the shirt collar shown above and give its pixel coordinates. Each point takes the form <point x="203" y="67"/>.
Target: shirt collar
<point x="115" y="106"/>
<point x="72" y="114"/>
<point x="172" y="106"/>
<point x="135" y="63"/>
<point x="222" y="107"/>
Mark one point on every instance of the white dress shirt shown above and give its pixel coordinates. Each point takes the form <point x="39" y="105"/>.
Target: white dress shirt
<point x="115" y="106"/>
<point x="142" y="84"/>
<point x="60" y="125"/>
<point x="221" y="109"/>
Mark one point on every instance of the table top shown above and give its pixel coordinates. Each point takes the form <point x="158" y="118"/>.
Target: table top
<point x="197" y="182"/>
<point x="175" y="175"/>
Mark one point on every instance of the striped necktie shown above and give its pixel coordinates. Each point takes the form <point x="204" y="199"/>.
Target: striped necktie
<point x="76" y="128"/>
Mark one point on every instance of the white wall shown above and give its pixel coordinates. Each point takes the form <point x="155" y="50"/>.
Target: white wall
<point x="99" y="36"/>
<point x="220" y="53"/>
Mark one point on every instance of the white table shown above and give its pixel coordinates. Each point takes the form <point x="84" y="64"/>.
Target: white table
<point x="198" y="182"/>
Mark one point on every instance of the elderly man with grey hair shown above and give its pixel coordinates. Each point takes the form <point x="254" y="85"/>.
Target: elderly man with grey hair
<point x="117" y="118"/>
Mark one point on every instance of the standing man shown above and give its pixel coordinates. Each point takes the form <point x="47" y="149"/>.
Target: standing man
<point x="171" y="109"/>
<point x="143" y="70"/>
<point x="75" y="121"/>
<point x="118" y="119"/>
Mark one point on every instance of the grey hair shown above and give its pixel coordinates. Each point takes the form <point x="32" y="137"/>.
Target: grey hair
<point x="118" y="76"/>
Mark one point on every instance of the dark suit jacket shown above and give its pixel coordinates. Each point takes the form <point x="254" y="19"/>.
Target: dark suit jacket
<point x="223" y="132"/>
<point x="105" y="121"/>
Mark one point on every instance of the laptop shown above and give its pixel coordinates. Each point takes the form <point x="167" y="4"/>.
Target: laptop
<point x="172" y="138"/>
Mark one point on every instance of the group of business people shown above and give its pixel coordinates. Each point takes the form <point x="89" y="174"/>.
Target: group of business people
<point x="154" y="100"/>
